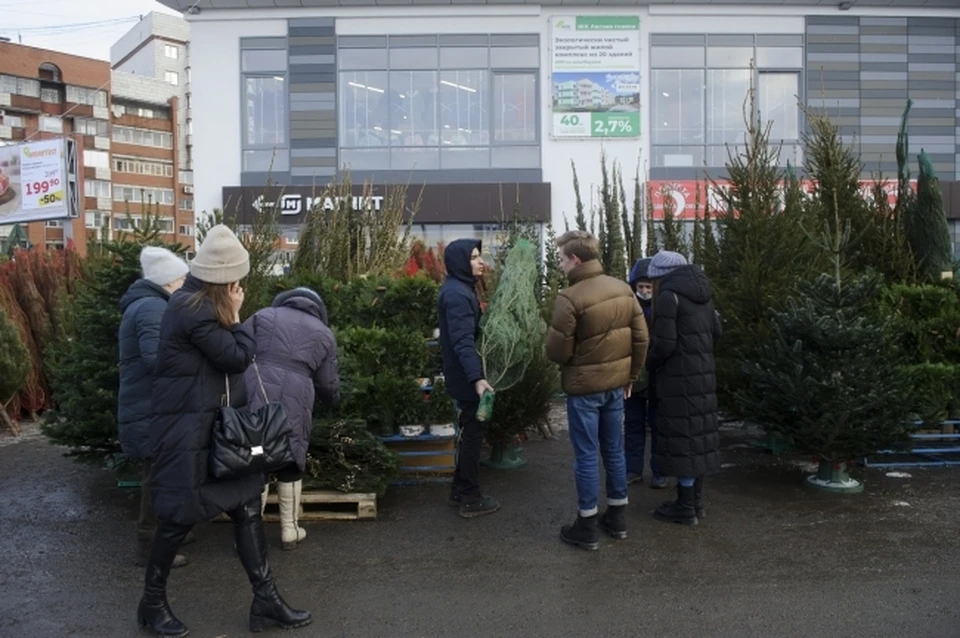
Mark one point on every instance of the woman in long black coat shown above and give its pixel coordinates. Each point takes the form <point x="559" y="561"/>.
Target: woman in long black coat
<point x="685" y="328"/>
<point x="203" y="348"/>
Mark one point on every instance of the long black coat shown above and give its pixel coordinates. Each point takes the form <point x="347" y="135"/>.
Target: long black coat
<point x="195" y="355"/>
<point x="685" y="327"/>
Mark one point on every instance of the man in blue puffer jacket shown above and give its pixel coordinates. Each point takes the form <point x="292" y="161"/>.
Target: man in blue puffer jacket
<point x="640" y="410"/>
<point x="143" y="306"/>
<point x="458" y="315"/>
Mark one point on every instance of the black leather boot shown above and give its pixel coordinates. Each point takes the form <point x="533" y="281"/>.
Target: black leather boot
<point x="698" y="497"/>
<point x="153" y="613"/>
<point x="614" y="521"/>
<point x="681" y="511"/>
<point x="268" y="607"/>
<point x="583" y="533"/>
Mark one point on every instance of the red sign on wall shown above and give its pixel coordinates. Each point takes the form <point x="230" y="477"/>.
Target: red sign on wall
<point x="685" y="201"/>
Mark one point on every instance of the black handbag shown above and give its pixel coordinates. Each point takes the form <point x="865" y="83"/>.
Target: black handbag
<point x="249" y="442"/>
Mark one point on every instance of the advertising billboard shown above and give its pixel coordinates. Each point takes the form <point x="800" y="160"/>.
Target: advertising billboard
<point x="38" y="181"/>
<point x="596" y="76"/>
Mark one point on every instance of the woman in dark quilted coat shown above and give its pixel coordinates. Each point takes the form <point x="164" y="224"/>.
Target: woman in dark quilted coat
<point x="297" y="361"/>
<point x="203" y="347"/>
<point x="685" y="328"/>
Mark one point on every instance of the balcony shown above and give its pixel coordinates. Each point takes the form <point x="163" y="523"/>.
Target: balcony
<point x="104" y="203"/>
<point x="101" y="113"/>
<point x="101" y="143"/>
<point x="103" y="173"/>
<point x="6" y="132"/>
<point x="5" y="99"/>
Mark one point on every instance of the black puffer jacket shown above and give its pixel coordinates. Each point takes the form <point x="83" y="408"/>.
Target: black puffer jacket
<point x="142" y="307"/>
<point x="458" y="314"/>
<point x="685" y="327"/>
<point x="195" y="357"/>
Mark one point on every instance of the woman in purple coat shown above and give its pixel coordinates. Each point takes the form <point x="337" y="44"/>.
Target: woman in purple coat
<point x="297" y="361"/>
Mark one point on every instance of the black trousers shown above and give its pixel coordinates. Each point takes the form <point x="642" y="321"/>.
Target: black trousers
<point x="466" y="478"/>
<point x="289" y="473"/>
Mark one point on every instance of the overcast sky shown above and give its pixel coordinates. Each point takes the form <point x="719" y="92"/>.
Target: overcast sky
<point x="65" y="25"/>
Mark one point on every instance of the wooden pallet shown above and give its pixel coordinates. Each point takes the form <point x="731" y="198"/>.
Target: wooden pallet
<point x="323" y="505"/>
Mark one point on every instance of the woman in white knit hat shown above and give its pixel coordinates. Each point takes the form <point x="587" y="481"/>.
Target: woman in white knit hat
<point x="143" y="306"/>
<point x="201" y="342"/>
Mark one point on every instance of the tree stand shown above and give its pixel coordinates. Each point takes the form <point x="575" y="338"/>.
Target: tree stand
<point x="505" y="456"/>
<point x="833" y="477"/>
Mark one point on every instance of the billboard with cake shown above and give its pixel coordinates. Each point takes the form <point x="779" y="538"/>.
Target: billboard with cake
<point x="35" y="183"/>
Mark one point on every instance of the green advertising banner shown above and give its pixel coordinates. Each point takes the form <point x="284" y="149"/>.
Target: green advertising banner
<point x="596" y="76"/>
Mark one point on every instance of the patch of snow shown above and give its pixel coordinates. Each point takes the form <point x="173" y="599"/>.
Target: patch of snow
<point x="901" y="504"/>
<point x="899" y="475"/>
<point x="847" y="483"/>
<point x="807" y="466"/>
<point x="724" y="466"/>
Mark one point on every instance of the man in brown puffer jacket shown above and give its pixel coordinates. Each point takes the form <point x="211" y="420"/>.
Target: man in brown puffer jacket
<point x="599" y="338"/>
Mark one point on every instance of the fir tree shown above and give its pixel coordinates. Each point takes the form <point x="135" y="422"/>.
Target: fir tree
<point x="581" y="220"/>
<point x="672" y="235"/>
<point x="14" y="367"/>
<point x="926" y="225"/>
<point x="612" y="245"/>
<point x="636" y="244"/>
<point x="84" y="369"/>
<point x="652" y="245"/>
<point x="829" y="378"/>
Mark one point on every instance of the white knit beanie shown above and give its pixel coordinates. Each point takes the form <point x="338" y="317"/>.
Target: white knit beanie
<point x="161" y="266"/>
<point x="663" y="262"/>
<point x="221" y="258"/>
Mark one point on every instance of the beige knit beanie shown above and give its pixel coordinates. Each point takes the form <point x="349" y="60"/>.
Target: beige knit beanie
<point x="221" y="258"/>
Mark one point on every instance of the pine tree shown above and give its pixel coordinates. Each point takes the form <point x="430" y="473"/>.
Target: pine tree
<point x="652" y="244"/>
<point x="636" y="244"/>
<point x="581" y="220"/>
<point x="14" y="367"/>
<point x="926" y="226"/>
<point x="612" y="244"/>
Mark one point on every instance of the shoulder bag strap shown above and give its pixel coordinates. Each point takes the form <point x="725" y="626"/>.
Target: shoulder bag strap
<point x="256" y="369"/>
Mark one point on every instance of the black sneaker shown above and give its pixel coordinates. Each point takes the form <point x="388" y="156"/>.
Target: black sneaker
<point x="471" y="507"/>
<point x="454" y="499"/>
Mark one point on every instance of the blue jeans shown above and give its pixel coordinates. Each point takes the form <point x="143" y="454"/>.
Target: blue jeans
<point x="596" y="430"/>
<point x="638" y="418"/>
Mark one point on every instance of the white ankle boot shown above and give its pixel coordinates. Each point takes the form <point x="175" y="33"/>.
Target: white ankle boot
<point x="288" y="495"/>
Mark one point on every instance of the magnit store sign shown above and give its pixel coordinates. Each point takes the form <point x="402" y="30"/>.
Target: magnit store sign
<point x="292" y="204"/>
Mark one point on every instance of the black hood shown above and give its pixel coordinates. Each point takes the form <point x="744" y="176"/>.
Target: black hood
<point x="688" y="282"/>
<point x="639" y="271"/>
<point x="304" y="300"/>
<point x="141" y="289"/>
<point x="456" y="257"/>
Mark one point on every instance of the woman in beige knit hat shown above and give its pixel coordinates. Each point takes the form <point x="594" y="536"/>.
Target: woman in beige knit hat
<point x="202" y="343"/>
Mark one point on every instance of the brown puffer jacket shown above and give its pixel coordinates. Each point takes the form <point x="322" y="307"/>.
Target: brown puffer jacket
<point x="598" y="334"/>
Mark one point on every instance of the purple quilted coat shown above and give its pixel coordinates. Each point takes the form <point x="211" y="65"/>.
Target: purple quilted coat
<point x="297" y="359"/>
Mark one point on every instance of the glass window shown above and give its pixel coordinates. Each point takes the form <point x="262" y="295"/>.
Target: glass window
<point x="515" y="108"/>
<point x="726" y="95"/>
<point x="730" y="57"/>
<point x="780" y="57"/>
<point x="50" y="96"/>
<point x="96" y="188"/>
<point x="171" y="51"/>
<point x="672" y="156"/>
<point x="266" y="111"/>
<point x="364" y="114"/>
<point x="678" y="99"/>
<point x="12" y="120"/>
<point x="51" y="124"/>
<point x="348" y="59"/>
<point x="777" y="95"/>
<point x="414" y="58"/>
<point x="413" y="108"/>
<point x="464" y="58"/>
<point x="676" y="57"/>
<point x="453" y="157"/>
<point x="86" y="126"/>
<point x="464" y="100"/>
<point x="255" y="61"/>
<point x="267" y="160"/>
<point x="365" y="158"/>
<point x="515" y="57"/>
<point x="171" y="77"/>
<point x="96" y="159"/>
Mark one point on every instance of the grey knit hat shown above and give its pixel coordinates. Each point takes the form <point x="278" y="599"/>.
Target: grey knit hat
<point x="663" y="262"/>
<point x="221" y="258"/>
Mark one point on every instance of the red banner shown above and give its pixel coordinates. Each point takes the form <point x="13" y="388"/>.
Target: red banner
<point x="685" y="201"/>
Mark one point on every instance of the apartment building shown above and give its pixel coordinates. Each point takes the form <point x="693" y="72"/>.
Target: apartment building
<point x="45" y="95"/>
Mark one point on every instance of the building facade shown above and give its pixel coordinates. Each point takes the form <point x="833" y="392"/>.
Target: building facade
<point x="467" y="95"/>
<point x="45" y="95"/>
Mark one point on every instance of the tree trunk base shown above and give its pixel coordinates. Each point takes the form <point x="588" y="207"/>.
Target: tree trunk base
<point x="10" y="423"/>
<point x="833" y="477"/>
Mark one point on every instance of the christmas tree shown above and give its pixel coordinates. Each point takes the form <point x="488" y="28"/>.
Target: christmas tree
<point x="14" y="367"/>
<point x="926" y="225"/>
